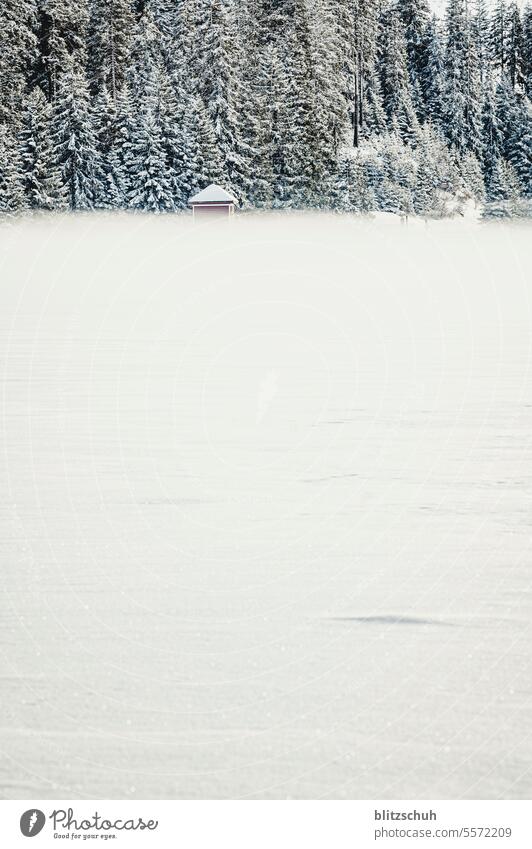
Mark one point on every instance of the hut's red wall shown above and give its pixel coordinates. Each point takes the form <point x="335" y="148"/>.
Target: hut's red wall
<point x="220" y="209"/>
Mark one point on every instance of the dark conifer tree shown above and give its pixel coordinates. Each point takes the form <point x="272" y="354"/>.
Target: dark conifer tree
<point x="499" y="35"/>
<point x="462" y="102"/>
<point x="11" y="188"/>
<point x="111" y="28"/>
<point x="112" y="192"/>
<point x="62" y="33"/>
<point x="434" y="82"/>
<point x="396" y="88"/>
<point x="75" y="138"/>
<point x="480" y="37"/>
<point x="18" y="54"/>
<point x="515" y="51"/>
<point x="527" y="50"/>
<point x="415" y="16"/>
<point x="39" y="169"/>
<point x="515" y="122"/>
<point x="492" y="132"/>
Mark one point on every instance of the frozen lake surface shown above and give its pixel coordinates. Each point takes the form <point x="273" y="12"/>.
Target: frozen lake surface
<point x="266" y="509"/>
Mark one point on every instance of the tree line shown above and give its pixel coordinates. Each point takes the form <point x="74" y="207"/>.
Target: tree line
<point x="352" y="105"/>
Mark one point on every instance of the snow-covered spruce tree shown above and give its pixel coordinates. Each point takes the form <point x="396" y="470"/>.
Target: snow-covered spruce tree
<point x="197" y="35"/>
<point x="514" y="117"/>
<point x="150" y="190"/>
<point x="180" y="135"/>
<point x="169" y="102"/>
<point x="424" y="199"/>
<point x="432" y="177"/>
<point x="210" y="162"/>
<point x="198" y="164"/>
<point x="415" y="16"/>
<point x="330" y="113"/>
<point x="196" y="161"/>
<point x="396" y="88"/>
<point x="354" y="32"/>
<point x="74" y="138"/>
<point x="146" y="153"/>
<point x="462" y="102"/>
<point x="165" y="111"/>
<point x="109" y="40"/>
<point x="62" y="33"/>
<point x="492" y="134"/>
<point x="373" y="172"/>
<point x="277" y="126"/>
<point x="395" y="192"/>
<point x="40" y="174"/>
<point x="357" y="32"/>
<point x="328" y="33"/>
<point x="499" y="35"/>
<point x="146" y="57"/>
<point x="472" y="177"/>
<point x="295" y="166"/>
<point x="444" y="165"/>
<point x="18" y="51"/>
<point x="434" y="82"/>
<point x="254" y="75"/>
<point x="503" y="192"/>
<point x="343" y="191"/>
<point x="350" y="191"/>
<point x="480" y="37"/>
<point x="310" y="147"/>
<point x="276" y="91"/>
<point x="274" y="19"/>
<point x="111" y="186"/>
<point x="125" y="113"/>
<point x="11" y="191"/>
<point x="180" y="146"/>
<point x="222" y="94"/>
<point x="372" y="106"/>
<point x="515" y="50"/>
<point x="168" y="15"/>
<point x="527" y="50"/>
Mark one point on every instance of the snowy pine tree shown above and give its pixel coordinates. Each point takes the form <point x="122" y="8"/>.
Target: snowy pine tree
<point x="39" y="169"/>
<point x="18" y="53"/>
<point x="462" y="103"/>
<point x="515" y="50"/>
<point x="415" y="16"/>
<point x="11" y="189"/>
<point x="112" y="180"/>
<point x="62" y="33"/>
<point x="492" y="134"/>
<point x="514" y="117"/>
<point x="480" y="37"/>
<point x="503" y="192"/>
<point x="396" y="88"/>
<point x="111" y="27"/>
<point x="527" y="51"/>
<point x="499" y="35"/>
<point x="151" y="189"/>
<point x="75" y="138"/>
<point x="434" y="82"/>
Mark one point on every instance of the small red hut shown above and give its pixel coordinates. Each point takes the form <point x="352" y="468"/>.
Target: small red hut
<point x="213" y="201"/>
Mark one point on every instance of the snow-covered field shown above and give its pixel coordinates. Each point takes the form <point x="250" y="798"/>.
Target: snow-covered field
<point x="266" y="508"/>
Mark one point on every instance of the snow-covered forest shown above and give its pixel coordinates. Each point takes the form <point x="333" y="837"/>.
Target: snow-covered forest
<point x="354" y="105"/>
